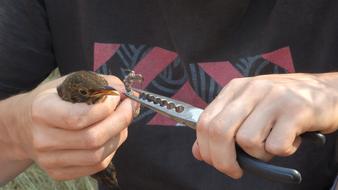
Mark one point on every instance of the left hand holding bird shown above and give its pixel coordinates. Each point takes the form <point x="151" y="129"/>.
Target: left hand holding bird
<point x="70" y="140"/>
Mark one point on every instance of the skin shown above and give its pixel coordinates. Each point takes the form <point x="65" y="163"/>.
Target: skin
<point x="66" y="140"/>
<point x="265" y="115"/>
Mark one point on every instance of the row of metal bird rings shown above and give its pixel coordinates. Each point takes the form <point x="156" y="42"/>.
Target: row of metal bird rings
<point x="162" y="102"/>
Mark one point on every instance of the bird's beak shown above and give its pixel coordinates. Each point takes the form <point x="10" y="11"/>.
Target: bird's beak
<point x="106" y="90"/>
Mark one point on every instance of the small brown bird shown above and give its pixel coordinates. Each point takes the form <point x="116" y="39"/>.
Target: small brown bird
<point x="88" y="87"/>
<point x="85" y="86"/>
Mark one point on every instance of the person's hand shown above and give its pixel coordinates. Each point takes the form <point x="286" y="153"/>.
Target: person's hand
<point x="71" y="140"/>
<point x="264" y="115"/>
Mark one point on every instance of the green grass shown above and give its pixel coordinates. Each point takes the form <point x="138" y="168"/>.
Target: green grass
<point x="36" y="179"/>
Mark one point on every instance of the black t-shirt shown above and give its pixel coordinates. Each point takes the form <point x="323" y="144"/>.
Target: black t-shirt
<point x="185" y="49"/>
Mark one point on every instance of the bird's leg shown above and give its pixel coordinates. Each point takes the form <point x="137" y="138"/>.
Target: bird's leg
<point x="130" y="79"/>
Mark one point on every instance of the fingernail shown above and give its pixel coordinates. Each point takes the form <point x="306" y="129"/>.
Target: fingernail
<point x="196" y="152"/>
<point x="135" y="104"/>
<point x="136" y="108"/>
<point x="238" y="174"/>
<point x="136" y="112"/>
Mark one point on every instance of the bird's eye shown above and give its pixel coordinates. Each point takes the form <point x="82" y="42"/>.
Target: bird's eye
<point x="83" y="92"/>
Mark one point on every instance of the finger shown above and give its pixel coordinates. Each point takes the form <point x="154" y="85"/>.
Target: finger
<point x="50" y="109"/>
<point x="91" y="137"/>
<point x="71" y="158"/>
<point x="202" y="138"/>
<point x="225" y="127"/>
<point x="222" y="143"/>
<point x="208" y="115"/>
<point x="115" y="82"/>
<point x="136" y="105"/>
<point x="119" y="86"/>
<point x="226" y="95"/>
<point x="252" y="135"/>
<point x="224" y="158"/>
<point x="283" y="139"/>
<point x="76" y="172"/>
<point x="196" y="151"/>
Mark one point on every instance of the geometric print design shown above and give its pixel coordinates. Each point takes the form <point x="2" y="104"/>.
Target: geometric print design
<point x="194" y="83"/>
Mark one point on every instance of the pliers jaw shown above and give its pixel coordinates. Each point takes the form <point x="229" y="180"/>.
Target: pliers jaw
<point x="177" y="110"/>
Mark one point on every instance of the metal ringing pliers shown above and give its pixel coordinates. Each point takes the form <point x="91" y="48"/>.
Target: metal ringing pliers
<point x="187" y="114"/>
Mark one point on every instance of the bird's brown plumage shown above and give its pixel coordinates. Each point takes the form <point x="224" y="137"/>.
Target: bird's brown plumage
<point x="88" y="87"/>
<point x="85" y="86"/>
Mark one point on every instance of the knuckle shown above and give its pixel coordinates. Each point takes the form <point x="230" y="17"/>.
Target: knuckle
<point x="101" y="166"/>
<point x="278" y="149"/>
<point x="233" y="84"/>
<point x="236" y="81"/>
<point x="56" y="175"/>
<point x="35" y="113"/>
<point x="76" y="118"/>
<point x="227" y="169"/>
<point x="123" y="121"/>
<point x="280" y="90"/>
<point x="49" y="162"/>
<point x="126" y="119"/>
<point x="44" y="163"/>
<point x="38" y="143"/>
<point x="92" y="140"/>
<point x="299" y="118"/>
<point x="221" y="132"/>
<point x="108" y="108"/>
<point x="236" y="107"/>
<point x="95" y="158"/>
<point x="73" y="121"/>
<point x="38" y="107"/>
<point x="260" y="84"/>
<point x="305" y="111"/>
<point x="113" y="79"/>
<point x="330" y="129"/>
<point x="124" y="135"/>
<point x="217" y="129"/>
<point x="203" y="122"/>
<point x="116" y="79"/>
<point x="41" y="161"/>
<point x="246" y="141"/>
<point x="295" y="103"/>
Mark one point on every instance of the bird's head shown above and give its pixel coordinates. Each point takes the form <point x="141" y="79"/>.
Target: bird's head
<point x="86" y="87"/>
<point x="83" y="92"/>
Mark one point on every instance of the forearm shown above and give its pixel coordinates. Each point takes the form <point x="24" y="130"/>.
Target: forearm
<point x="13" y="159"/>
<point x="330" y="78"/>
<point x="331" y="82"/>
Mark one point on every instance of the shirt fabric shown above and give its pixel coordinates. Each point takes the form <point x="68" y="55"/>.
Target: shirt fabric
<point x="186" y="50"/>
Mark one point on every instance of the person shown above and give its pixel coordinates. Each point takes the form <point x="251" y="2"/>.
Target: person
<point x="263" y="71"/>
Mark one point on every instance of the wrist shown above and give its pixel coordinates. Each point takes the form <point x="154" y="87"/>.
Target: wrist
<point x="13" y="157"/>
<point x="13" y="121"/>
